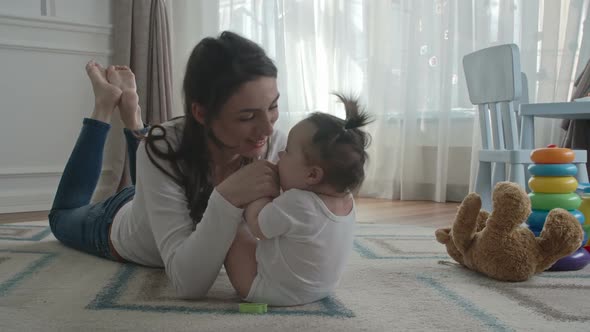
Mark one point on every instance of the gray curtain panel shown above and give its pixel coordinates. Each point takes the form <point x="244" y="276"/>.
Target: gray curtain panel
<point x="577" y="134"/>
<point x="141" y="40"/>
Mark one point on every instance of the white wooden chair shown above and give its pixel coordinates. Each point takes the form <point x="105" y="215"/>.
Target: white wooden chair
<point x="495" y="85"/>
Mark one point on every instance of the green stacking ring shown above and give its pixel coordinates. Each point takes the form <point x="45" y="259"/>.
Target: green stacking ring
<point x="540" y="201"/>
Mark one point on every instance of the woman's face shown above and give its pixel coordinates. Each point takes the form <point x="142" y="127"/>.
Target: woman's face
<point x="246" y="120"/>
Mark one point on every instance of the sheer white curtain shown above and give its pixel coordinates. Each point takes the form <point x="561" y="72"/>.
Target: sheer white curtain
<point x="403" y="58"/>
<point x="191" y="21"/>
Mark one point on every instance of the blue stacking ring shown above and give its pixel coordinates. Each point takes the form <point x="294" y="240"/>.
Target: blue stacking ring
<point x="537" y="232"/>
<point x="536" y="220"/>
<point x="553" y="169"/>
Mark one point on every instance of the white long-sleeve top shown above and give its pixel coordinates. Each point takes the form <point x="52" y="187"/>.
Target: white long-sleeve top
<point x="155" y="228"/>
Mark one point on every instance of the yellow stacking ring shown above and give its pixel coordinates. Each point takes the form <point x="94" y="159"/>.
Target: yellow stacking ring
<point x="552" y="156"/>
<point x="540" y="201"/>
<point x="553" y="184"/>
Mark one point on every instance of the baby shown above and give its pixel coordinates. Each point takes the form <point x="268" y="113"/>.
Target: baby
<point x="306" y="234"/>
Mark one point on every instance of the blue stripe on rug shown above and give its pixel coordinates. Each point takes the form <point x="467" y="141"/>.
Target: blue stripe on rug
<point x="107" y="299"/>
<point x="41" y="235"/>
<point x="468" y="306"/>
<point x="8" y="285"/>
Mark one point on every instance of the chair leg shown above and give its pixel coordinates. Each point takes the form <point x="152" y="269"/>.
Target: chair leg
<point x="517" y="175"/>
<point x="527" y="132"/>
<point x="498" y="173"/>
<point x="483" y="184"/>
<point x="582" y="176"/>
<point x="527" y="177"/>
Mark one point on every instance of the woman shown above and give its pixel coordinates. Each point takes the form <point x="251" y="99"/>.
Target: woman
<point x="195" y="174"/>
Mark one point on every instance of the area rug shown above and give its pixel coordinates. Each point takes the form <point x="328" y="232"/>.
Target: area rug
<point x="399" y="278"/>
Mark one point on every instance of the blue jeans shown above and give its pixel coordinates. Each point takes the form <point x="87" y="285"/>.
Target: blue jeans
<point x="73" y="220"/>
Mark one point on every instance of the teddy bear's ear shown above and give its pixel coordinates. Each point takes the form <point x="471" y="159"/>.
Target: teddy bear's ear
<point x="443" y="235"/>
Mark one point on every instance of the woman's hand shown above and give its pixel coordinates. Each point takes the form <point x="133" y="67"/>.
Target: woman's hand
<point x="256" y="180"/>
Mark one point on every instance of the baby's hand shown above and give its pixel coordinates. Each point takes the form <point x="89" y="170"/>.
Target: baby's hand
<point x="253" y="181"/>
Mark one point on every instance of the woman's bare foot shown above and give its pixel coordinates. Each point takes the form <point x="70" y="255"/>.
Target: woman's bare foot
<point x="123" y="78"/>
<point x="106" y="95"/>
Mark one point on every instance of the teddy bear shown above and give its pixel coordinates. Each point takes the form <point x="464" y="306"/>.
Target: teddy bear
<point x="497" y="245"/>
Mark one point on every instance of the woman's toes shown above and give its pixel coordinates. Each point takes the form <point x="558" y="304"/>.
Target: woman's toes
<point x="111" y="73"/>
<point x="95" y="72"/>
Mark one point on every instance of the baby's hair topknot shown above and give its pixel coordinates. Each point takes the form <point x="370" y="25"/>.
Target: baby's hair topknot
<point x="356" y="116"/>
<point x="339" y="145"/>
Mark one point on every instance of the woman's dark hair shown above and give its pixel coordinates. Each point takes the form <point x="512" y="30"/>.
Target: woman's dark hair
<point x="216" y="69"/>
<point x="338" y="146"/>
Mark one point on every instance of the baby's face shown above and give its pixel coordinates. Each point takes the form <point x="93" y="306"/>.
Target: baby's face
<point x="293" y="166"/>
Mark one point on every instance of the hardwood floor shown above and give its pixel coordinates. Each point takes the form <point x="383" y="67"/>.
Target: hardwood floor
<point x="420" y="213"/>
<point x="369" y="210"/>
<point x="23" y="216"/>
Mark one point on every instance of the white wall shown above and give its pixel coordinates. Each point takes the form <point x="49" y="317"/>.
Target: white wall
<point x="44" y="91"/>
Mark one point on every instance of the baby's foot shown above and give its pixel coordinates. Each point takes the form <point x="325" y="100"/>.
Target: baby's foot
<point x="106" y="95"/>
<point x="123" y="78"/>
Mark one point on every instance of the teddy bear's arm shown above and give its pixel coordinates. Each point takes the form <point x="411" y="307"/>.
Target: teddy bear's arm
<point x="465" y="225"/>
<point x="561" y="236"/>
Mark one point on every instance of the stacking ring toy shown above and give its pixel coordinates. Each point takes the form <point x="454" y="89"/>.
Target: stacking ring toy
<point x="547" y="202"/>
<point x="586" y="228"/>
<point x="576" y="261"/>
<point x="553" y="169"/>
<point x="536" y="220"/>
<point x="552" y="155"/>
<point x="553" y="184"/>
